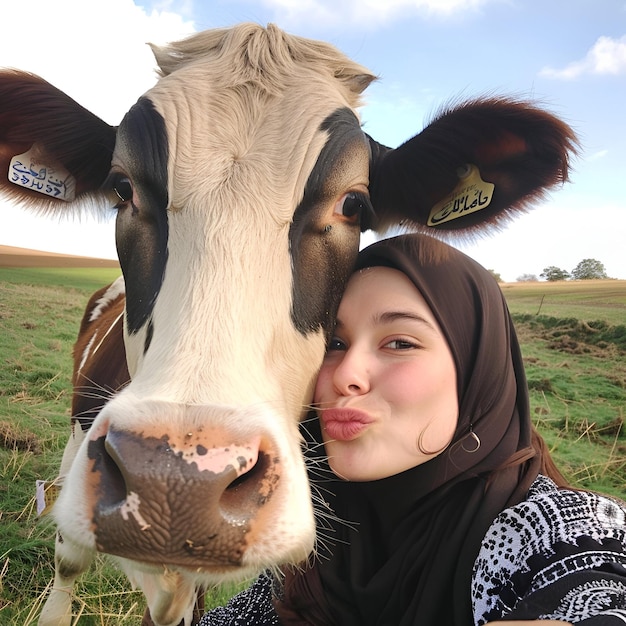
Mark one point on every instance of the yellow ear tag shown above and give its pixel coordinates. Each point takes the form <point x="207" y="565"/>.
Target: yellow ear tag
<point x="470" y="195"/>
<point x="47" y="494"/>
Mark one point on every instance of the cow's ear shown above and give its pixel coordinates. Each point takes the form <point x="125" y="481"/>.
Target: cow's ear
<point x="475" y="166"/>
<point x="48" y="139"/>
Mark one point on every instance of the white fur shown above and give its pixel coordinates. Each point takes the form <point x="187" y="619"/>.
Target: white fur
<point x="116" y="289"/>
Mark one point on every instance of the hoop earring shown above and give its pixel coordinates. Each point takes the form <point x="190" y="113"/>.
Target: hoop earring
<point x="425" y="452"/>
<point x="475" y="438"/>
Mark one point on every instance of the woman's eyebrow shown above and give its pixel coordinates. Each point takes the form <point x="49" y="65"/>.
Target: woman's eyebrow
<point x="391" y="316"/>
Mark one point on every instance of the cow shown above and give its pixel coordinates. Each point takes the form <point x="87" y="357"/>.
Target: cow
<point x="242" y="181"/>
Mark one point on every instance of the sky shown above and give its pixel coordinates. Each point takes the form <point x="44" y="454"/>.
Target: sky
<point x="567" y="55"/>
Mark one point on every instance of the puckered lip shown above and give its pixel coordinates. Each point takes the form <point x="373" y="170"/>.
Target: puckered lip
<point x="344" y="424"/>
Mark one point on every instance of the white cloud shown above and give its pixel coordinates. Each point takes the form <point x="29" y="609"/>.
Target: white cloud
<point x="607" y="56"/>
<point x="598" y="155"/>
<point x="95" y="52"/>
<point x="181" y="7"/>
<point x="365" y="12"/>
<point x="393" y="8"/>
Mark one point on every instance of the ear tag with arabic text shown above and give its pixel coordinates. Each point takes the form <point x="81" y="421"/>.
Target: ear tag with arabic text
<point x="53" y="181"/>
<point x="470" y="195"/>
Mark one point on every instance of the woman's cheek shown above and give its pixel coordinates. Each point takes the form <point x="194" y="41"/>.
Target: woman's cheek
<point x="324" y="379"/>
<point x="402" y="386"/>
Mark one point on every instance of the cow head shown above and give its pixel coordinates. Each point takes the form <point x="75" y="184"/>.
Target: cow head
<point x="241" y="181"/>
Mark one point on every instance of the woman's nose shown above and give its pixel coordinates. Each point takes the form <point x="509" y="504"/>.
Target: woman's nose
<point x="352" y="377"/>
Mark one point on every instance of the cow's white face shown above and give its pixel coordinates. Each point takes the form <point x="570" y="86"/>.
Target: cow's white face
<point x="238" y="223"/>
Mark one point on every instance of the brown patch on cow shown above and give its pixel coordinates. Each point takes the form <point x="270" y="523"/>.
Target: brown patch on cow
<point x="108" y="363"/>
<point x="13" y="438"/>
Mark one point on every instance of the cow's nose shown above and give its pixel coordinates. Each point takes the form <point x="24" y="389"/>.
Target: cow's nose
<point x="188" y="501"/>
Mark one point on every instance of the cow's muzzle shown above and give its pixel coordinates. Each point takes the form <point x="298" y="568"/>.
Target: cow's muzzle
<point x="189" y="503"/>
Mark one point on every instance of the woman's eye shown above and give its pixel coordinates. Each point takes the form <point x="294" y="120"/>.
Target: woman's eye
<point x="400" y="344"/>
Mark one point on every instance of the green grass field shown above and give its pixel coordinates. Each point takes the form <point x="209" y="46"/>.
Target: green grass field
<point x="573" y="337"/>
<point x="586" y="300"/>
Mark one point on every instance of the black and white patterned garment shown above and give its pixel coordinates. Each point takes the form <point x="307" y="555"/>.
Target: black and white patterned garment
<point x="558" y="555"/>
<point x="251" y="607"/>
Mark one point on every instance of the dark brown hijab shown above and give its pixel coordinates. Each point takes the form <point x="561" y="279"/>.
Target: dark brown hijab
<point x="406" y="555"/>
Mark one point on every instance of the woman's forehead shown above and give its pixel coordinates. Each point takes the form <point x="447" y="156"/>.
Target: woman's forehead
<point x="381" y="288"/>
<point x="380" y="277"/>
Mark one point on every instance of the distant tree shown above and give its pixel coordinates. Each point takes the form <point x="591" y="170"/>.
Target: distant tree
<point x="496" y="275"/>
<point x="588" y="269"/>
<point x="553" y="273"/>
<point x="527" y="278"/>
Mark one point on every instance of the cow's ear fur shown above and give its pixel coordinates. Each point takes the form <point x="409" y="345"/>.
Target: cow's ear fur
<point x="32" y="113"/>
<point x="523" y="150"/>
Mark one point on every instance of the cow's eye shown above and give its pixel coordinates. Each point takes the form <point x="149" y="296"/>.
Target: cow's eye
<point x="352" y="205"/>
<point x="123" y="189"/>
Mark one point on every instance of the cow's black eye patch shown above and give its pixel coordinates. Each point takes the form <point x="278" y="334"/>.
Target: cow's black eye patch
<point x="140" y="189"/>
<point x="324" y="234"/>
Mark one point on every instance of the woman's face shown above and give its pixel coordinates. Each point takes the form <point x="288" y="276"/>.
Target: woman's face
<point x="386" y="392"/>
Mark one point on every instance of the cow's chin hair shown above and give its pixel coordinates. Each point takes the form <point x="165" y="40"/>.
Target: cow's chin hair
<point x="171" y="592"/>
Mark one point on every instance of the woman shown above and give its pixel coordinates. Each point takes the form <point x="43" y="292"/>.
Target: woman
<point x="447" y="503"/>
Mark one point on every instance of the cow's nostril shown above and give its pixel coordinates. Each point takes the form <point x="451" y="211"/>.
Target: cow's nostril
<point x="252" y="488"/>
<point x="113" y="490"/>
